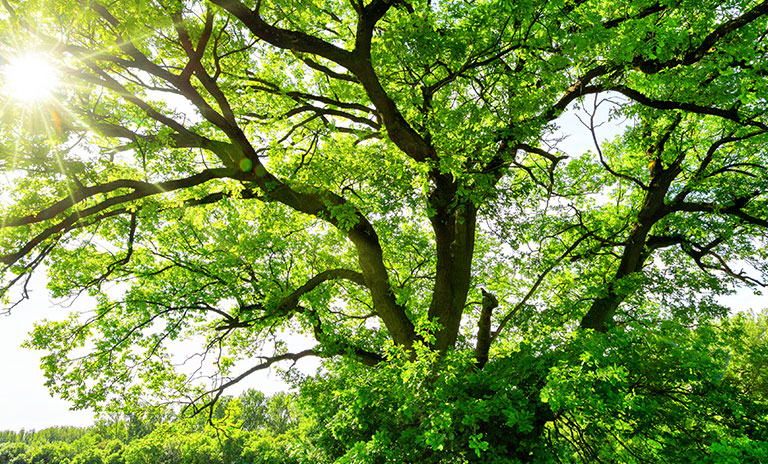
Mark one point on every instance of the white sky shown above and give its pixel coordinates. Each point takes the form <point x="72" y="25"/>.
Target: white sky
<point x="25" y="403"/>
<point x="24" y="400"/>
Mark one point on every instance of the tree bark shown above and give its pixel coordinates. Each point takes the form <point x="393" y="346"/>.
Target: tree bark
<point x="454" y="225"/>
<point x="600" y="314"/>
<point x="484" y="328"/>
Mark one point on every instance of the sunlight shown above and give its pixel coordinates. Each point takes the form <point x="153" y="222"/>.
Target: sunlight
<point x="30" y="78"/>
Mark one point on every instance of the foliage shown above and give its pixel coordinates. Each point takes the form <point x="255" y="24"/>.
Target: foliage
<point x="10" y="451"/>
<point x="49" y="435"/>
<point x="173" y="441"/>
<point x="275" y="413"/>
<point x="637" y="394"/>
<point x="429" y="409"/>
<point x="642" y="395"/>
<point x="748" y="335"/>
<point x="394" y="180"/>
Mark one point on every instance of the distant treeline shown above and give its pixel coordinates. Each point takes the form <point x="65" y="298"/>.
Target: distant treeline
<point x="249" y="429"/>
<point x="49" y="435"/>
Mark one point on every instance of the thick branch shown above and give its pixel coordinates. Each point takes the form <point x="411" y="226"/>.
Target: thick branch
<point x="322" y="204"/>
<point x="454" y="228"/>
<point x="634" y="252"/>
<point x="662" y="104"/>
<point x="484" y="328"/>
<point x="291" y="301"/>
<point x="736" y="209"/>
<point x="357" y="61"/>
<point x="195" y="65"/>
<point x="334" y="346"/>
<point x="283" y="38"/>
<point x="696" y="54"/>
<point x="140" y="189"/>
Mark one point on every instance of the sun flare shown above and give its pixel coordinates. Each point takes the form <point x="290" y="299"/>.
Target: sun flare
<point x="30" y="78"/>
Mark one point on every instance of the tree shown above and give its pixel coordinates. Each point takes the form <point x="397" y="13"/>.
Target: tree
<point x="389" y="178"/>
<point x="9" y="452"/>
<point x="274" y="413"/>
<point x="749" y="340"/>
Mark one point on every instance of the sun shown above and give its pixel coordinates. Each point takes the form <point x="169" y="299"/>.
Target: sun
<point x="30" y="78"/>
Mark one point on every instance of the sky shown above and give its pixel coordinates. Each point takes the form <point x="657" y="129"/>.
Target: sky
<point x="25" y="402"/>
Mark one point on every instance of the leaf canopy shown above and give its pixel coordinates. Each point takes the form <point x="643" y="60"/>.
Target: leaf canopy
<point x="396" y="180"/>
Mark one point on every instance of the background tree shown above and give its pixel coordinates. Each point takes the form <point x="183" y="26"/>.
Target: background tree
<point x="223" y="439"/>
<point x="388" y="177"/>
